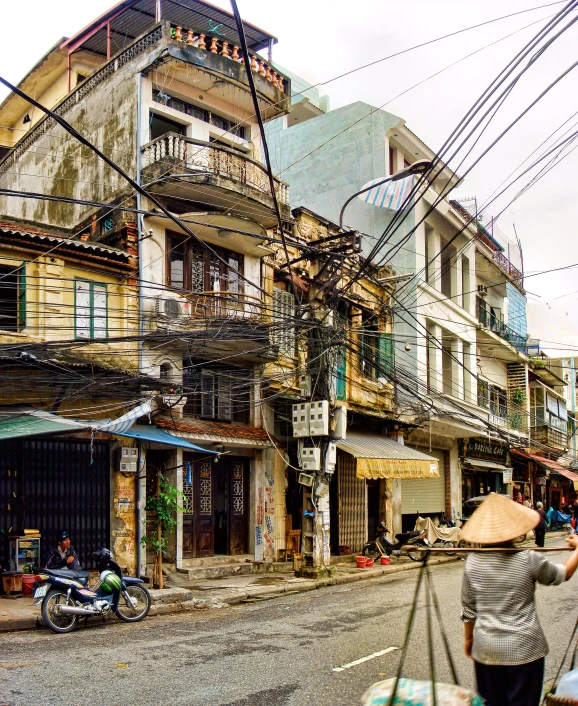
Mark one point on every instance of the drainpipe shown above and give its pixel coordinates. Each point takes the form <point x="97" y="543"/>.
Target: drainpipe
<point x="140" y="509"/>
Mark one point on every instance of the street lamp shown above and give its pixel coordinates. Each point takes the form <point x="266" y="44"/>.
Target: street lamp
<point x="419" y="167"/>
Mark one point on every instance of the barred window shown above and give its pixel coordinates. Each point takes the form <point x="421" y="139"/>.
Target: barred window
<point x="283" y="316"/>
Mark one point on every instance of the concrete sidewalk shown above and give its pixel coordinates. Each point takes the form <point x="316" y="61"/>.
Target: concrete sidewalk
<point x="20" y="614"/>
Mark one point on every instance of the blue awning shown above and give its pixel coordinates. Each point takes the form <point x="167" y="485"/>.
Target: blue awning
<point x="150" y="433"/>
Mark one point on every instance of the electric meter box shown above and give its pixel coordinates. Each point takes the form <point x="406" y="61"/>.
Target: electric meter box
<point x="331" y="457"/>
<point x="339" y="425"/>
<point x="319" y="418"/>
<point x="127" y="459"/>
<point x="311" y="459"/>
<point x="306" y="479"/>
<point x="305" y="385"/>
<point x="301" y="419"/>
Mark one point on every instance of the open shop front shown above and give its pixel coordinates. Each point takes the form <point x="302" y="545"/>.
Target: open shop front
<point x="367" y="490"/>
<point x="51" y="479"/>
<point x="484" y="468"/>
<point x="553" y="484"/>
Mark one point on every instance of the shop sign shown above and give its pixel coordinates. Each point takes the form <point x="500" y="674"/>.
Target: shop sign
<point x="507" y="475"/>
<point x="483" y="449"/>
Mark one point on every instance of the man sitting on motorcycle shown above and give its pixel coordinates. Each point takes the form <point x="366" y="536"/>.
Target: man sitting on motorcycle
<point x="63" y="556"/>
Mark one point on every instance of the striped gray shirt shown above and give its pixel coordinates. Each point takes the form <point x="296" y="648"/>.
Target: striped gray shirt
<point x="498" y="593"/>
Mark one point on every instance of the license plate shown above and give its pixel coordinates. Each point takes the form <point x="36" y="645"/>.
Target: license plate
<point x="41" y="591"/>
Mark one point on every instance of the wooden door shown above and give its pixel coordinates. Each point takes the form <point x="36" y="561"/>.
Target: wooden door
<point x="238" y="506"/>
<point x="203" y="525"/>
<point x="188" y="508"/>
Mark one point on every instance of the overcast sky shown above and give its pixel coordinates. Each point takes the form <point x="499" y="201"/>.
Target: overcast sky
<point x="322" y="39"/>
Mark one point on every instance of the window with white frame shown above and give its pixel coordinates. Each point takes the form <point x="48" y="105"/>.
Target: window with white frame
<point x="90" y="310"/>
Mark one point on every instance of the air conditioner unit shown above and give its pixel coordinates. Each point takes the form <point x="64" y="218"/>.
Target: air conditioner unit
<point x="170" y="307"/>
<point x="311" y="459"/>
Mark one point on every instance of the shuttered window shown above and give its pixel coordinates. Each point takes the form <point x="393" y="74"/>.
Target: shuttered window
<point x="283" y="315"/>
<point x="217" y="392"/>
<point x="90" y="310"/>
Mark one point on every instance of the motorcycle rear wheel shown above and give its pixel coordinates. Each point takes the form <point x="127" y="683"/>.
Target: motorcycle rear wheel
<point x="370" y="550"/>
<point x="132" y="615"/>
<point x="56" y="622"/>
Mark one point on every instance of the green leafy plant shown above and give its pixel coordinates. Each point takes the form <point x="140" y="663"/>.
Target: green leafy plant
<point x="516" y="420"/>
<point x="165" y="505"/>
<point x="518" y="396"/>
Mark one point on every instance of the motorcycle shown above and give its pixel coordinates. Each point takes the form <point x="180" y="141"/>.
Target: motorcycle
<point x="382" y="545"/>
<point x="65" y="597"/>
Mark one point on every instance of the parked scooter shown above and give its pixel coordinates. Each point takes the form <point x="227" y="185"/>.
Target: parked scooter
<point x="65" y="597"/>
<point x="382" y="546"/>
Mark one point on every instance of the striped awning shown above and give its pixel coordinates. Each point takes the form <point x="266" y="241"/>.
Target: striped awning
<point x="392" y="194"/>
<point x="117" y="426"/>
<point x="379" y="457"/>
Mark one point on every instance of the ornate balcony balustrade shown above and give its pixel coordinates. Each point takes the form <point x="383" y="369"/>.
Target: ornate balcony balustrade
<point x="205" y="157"/>
<point x="216" y="45"/>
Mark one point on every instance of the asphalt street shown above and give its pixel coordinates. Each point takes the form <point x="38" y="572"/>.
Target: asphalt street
<point x="281" y="652"/>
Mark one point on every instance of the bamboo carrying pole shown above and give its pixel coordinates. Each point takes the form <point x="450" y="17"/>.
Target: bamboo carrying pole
<point x="474" y="550"/>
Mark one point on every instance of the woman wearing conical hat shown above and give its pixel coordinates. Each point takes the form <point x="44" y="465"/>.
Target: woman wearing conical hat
<point x="502" y="632"/>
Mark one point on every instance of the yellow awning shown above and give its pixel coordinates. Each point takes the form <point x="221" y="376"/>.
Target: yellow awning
<point x="379" y="457"/>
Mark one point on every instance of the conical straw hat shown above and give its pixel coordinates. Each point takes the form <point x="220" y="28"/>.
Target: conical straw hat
<point x="499" y="519"/>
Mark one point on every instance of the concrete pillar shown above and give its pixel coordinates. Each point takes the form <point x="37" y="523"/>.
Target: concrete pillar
<point x="455" y="481"/>
<point x="457" y="369"/>
<point x="435" y="357"/>
<point x="178" y="483"/>
<point x="434" y="247"/>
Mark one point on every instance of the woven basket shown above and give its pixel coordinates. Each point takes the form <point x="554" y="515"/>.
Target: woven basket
<point x="553" y="700"/>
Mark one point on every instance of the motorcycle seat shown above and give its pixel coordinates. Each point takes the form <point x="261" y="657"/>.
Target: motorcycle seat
<point x="407" y="535"/>
<point x="67" y="573"/>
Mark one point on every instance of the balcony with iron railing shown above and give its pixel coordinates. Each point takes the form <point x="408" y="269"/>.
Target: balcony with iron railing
<point x="220" y="322"/>
<point x="217" y="171"/>
<point x="491" y="322"/>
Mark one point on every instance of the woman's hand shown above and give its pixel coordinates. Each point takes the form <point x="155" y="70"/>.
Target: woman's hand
<point x="572" y="540"/>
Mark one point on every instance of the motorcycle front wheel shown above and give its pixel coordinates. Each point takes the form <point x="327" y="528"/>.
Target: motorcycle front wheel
<point x="141" y="597"/>
<point x="51" y="615"/>
<point x="415" y="555"/>
<point x="371" y="551"/>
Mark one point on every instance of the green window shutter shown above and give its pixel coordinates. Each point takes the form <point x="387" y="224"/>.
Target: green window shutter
<point x="22" y="297"/>
<point x="341" y="377"/>
<point x="385" y="354"/>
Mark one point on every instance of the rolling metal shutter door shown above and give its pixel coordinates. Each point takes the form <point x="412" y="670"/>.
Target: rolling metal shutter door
<point x="352" y="504"/>
<point x="424" y="494"/>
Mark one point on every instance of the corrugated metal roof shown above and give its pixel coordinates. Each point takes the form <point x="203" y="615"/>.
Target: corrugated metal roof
<point x="131" y="19"/>
<point x="53" y="239"/>
<point x="376" y="446"/>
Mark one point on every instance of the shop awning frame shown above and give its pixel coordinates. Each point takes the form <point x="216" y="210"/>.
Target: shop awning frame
<point x="379" y="457"/>
<point x="143" y="432"/>
<point x="19" y="422"/>
<point x="486" y="465"/>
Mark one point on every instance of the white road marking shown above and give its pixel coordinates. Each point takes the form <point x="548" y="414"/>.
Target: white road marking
<point x="361" y="660"/>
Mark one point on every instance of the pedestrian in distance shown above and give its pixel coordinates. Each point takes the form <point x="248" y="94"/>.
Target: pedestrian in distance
<point x="501" y="629"/>
<point x="527" y="502"/>
<point x="540" y="530"/>
<point x="63" y="555"/>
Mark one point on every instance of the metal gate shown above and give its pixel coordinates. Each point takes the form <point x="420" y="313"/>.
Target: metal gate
<point x="55" y="485"/>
